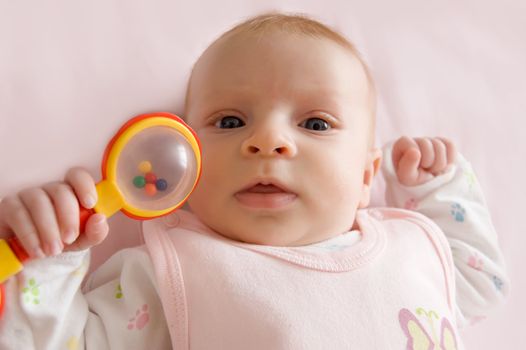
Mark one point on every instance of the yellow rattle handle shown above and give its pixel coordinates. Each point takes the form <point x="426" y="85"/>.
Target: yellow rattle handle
<point x="10" y="263"/>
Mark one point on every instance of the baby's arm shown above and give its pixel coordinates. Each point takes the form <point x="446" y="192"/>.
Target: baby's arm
<point x="429" y="176"/>
<point x="120" y="308"/>
<point x="45" y="308"/>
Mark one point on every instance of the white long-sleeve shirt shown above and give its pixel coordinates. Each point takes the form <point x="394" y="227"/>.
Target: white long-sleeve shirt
<point x="120" y="306"/>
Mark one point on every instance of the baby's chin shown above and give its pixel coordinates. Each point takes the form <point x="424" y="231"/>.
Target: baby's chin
<point x="277" y="237"/>
<point x="274" y="229"/>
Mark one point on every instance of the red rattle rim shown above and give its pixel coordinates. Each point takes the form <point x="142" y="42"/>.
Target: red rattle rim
<point x="2" y="299"/>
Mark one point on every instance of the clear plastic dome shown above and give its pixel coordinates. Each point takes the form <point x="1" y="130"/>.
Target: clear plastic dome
<point x="156" y="169"/>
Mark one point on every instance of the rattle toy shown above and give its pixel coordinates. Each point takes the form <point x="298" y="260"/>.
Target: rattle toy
<point x="149" y="169"/>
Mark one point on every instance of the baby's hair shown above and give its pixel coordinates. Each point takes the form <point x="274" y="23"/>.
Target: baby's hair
<point x="294" y="23"/>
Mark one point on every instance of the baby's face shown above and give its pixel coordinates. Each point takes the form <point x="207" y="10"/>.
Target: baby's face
<point x="284" y="129"/>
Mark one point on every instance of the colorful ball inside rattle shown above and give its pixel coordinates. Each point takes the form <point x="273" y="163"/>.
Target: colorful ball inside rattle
<point x="139" y="181"/>
<point x="149" y="180"/>
<point x="161" y="184"/>
<point x="150" y="190"/>
<point x="145" y="166"/>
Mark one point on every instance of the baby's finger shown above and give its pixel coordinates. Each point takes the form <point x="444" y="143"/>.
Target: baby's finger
<point x="43" y="214"/>
<point x="400" y="147"/>
<point x="407" y="171"/>
<point x="96" y="231"/>
<point x="440" y="163"/>
<point x="428" y="153"/>
<point x="66" y="208"/>
<point x="19" y="221"/>
<point x="83" y="186"/>
<point x="451" y="150"/>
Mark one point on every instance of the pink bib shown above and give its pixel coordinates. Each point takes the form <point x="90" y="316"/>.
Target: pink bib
<point x="392" y="290"/>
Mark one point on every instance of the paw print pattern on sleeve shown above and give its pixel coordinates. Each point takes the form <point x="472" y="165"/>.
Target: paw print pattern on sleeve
<point x="498" y="283"/>
<point x="470" y="177"/>
<point x="31" y="292"/>
<point x="475" y="262"/>
<point x="458" y="212"/>
<point x="140" y="320"/>
<point x="118" y="292"/>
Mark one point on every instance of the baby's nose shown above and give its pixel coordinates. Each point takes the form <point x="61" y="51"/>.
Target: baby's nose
<point x="269" y="144"/>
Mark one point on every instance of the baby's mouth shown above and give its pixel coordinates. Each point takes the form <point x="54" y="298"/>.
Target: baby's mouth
<point x="261" y="188"/>
<point x="265" y="196"/>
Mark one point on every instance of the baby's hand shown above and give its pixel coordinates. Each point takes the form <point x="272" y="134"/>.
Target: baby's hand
<point x="45" y="218"/>
<point x="418" y="160"/>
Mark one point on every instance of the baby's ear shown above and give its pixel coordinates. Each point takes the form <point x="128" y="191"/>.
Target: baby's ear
<point x="372" y="166"/>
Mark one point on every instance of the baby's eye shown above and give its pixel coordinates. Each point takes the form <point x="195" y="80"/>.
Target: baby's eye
<point x="315" y="124"/>
<point x="229" y="122"/>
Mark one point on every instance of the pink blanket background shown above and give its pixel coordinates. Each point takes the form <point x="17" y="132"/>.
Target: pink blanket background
<point x="71" y="72"/>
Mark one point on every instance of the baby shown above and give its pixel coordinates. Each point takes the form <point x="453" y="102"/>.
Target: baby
<point x="278" y="249"/>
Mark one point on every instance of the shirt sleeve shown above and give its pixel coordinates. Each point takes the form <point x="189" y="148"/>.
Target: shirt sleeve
<point x="117" y="308"/>
<point x="454" y="201"/>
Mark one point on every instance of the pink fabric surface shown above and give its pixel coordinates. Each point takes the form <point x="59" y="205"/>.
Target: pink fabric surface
<point x="71" y="72"/>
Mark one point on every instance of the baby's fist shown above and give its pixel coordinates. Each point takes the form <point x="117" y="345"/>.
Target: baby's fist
<point x="47" y="217"/>
<point x="418" y="160"/>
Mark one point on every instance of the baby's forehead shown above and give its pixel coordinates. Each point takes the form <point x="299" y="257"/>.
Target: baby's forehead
<point x="234" y="55"/>
<point x="222" y="63"/>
